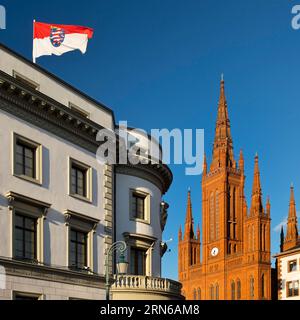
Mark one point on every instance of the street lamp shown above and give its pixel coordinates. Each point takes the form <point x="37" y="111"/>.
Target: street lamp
<point x="122" y="265"/>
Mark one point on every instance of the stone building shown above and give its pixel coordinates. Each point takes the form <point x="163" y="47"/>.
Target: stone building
<point x="60" y="208"/>
<point x="235" y="244"/>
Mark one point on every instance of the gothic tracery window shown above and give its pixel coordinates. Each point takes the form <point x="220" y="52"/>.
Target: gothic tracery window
<point x="232" y="290"/>
<point x="251" y="287"/>
<point x="211" y="217"/>
<point x="238" y="289"/>
<point x="217" y="216"/>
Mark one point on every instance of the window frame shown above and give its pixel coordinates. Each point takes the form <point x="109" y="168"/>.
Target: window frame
<point x="33" y="296"/>
<point x="77" y="243"/>
<point x="79" y="111"/>
<point x="38" y="161"/>
<point x="147" y="209"/>
<point x="88" y="180"/>
<point x="25" y="80"/>
<point x="84" y="224"/>
<point x="293" y="289"/>
<point x="136" y="261"/>
<point x="24" y="216"/>
<point x="289" y="263"/>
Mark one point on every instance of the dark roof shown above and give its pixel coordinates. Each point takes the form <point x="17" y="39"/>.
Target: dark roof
<point x="56" y="78"/>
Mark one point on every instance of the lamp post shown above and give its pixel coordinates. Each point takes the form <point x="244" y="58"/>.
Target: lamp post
<point x="122" y="265"/>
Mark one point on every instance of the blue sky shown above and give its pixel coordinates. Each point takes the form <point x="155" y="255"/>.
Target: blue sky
<point x="166" y="57"/>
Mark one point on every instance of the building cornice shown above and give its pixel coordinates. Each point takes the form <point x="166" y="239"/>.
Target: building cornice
<point x="159" y="174"/>
<point x="57" y="79"/>
<point x="38" y="109"/>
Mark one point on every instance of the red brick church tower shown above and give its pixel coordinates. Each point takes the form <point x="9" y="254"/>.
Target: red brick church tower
<point x="236" y="259"/>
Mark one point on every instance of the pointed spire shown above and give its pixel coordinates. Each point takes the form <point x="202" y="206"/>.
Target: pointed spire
<point x="292" y="223"/>
<point x="281" y="239"/>
<point x="198" y="232"/>
<point x="256" y="202"/>
<point x="180" y="233"/>
<point x="204" y="165"/>
<point x="268" y="207"/>
<point x="241" y="161"/>
<point x="189" y="221"/>
<point x="223" y="148"/>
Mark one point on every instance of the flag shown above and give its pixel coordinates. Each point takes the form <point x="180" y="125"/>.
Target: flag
<point x="57" y="39"/>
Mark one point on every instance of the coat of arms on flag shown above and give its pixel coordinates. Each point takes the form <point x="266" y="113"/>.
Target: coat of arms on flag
<point x="57" y="36"/>
<point x="57" y="39"/>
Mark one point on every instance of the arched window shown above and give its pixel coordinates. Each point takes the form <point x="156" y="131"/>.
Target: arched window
<point x="264" y="237"/>
<point x="212" y="217"/>
<point x="195" y="255"/>
<point x="234" y="248"/>
<point x="249" y="238"/>
<point x="199" y="293"/>
<point x="211" y="292"/>
<point x="253" y="244"/>
<point x="229" y="248"/>
<point x="238" y="289"/>
<point x="251" y="287"/>
<point x="217" y="216"/>
<point x="263" y="286"/>
<point x="195" y="294"/>
<point x="232" y="290"/>
<point x="217" y="291"/>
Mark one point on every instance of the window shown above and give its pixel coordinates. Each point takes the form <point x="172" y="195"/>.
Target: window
<point x="293" y="288"/>
<point x="211" y="292"/>
<point x="238" y="289"/>
<point x="232" y="290"/>
<point x="251" y="288"/>
<point x="195" y="294"/>
<point x="80" y="180"/>
<point x="138" y="261"/>
<point x="78" y="111"/>
<point x="217" y="291"/>
<point x="26" y="296"/>
<point x="25" y="237"/>
<point x="78" y="249"/>
<point x="217" y="216"/>
<point x="26" y="81"/>
<point x="27" y="159"/>
<point x="263" y="286"/>
<point x="138" y="206"/>
<point x="199" y="293"/>
<point x="212" y="218"/>
<point x="292" y="266"/>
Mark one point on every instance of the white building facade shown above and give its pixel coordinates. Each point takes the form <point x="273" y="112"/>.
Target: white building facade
<point x="288" y="269"/>
<point x="60" y="208"/>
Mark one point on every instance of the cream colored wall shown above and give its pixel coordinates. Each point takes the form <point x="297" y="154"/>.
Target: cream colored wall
<point x="49" y="290"/>
<point x="54" y="190"/>
<point x="124" y="183"/>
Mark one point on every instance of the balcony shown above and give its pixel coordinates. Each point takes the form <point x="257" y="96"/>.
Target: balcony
<point x="131" y="287"/>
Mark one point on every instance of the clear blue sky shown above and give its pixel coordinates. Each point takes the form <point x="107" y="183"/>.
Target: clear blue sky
<point x="166" y="57"/>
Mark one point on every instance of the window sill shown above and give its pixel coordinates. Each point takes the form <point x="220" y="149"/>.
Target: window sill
<point x="140" y="220"/>
<point x="29" y="179"/>
<point x="78" y="197"/>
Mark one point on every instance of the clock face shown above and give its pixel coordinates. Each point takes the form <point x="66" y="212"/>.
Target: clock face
<point x="214" y="251"/>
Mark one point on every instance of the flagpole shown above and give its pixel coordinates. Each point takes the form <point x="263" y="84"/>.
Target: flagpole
<point x="33" y="56"/>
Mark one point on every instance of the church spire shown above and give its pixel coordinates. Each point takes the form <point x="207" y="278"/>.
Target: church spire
<point x="256" y="201"/>
<point x="189" y="221"/>
<point x="223" y="147"/>
<point x="291" y="237"/>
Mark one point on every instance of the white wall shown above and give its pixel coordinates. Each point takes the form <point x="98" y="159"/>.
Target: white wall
<point x="54" y="89"/>
<point x="54" y="190"/>
<point x="123" y="223"/>
<point x="289" y="276"/>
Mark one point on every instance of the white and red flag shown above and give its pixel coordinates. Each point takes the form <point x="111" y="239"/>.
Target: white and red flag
<point x="57" y="39"/>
